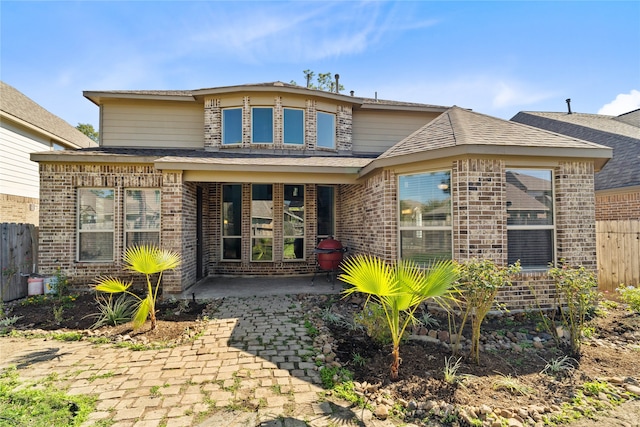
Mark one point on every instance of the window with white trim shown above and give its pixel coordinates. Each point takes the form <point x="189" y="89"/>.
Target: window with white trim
<point x="262" y="125"/>
<point x="424" y="202"/>
<point x="95" y="224"/>
<point x="232" y="126"/>
<point x="262" y="222"/>
<point x="325" y="130"/>
<point x="530" y="218"/>
<point x="142" y="216"/>
<point x="293" y="222"/>
<point x="293" y="124"/>
<point x="232" y="222"/>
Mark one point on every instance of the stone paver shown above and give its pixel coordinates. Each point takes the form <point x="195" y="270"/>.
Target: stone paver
<point x="251" y="358"/>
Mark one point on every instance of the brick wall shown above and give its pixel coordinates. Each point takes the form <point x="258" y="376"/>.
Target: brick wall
<point x="619" y="206"/>
<point x="19" y="209"/>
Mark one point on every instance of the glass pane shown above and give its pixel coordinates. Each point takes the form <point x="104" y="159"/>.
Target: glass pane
<point x="534" y="248"/>
<point x="95" y="209"/>
<point x="326" y="130"/>
<point x="425" y="246"/>
<point x="262" y="249"/>
<point x="529" y="197"/>
<point x="142" y="209"/>
<point x="293" y="126"/>
<point x="138" y="238"/>
<point x="425" y="199"/>
<point x="232" y="210"/>
<point x="293" y="210"/>
<point x="262" y="210"/>
<point x="262" y="125"/>
<point x="326" y="210"/>
<point x="96" y="246"/>
<point x="232" y="126"/>
<point x="293" y="248"/>
<point x="231" y="248"/>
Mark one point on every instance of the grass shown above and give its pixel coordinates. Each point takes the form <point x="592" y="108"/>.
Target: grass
<point x="512" y="385"/>
<point x="451" y="370"/>
<point x="43" y="404"/>
<point x="560" y="366"/>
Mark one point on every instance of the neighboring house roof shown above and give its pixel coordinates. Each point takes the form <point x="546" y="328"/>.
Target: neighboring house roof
<point x="519" y="200"/>
<point x="192" y="95"/>
<point x="16" y="106"/>
<point x="459" y="131"/>
<point x="621" y="133"/>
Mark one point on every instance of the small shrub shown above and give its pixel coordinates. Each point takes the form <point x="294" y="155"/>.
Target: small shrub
<point x="578" y="289"/>
<point x="373" y="319"/>
<point x="6" y="322"/>
<point x="451" y="370"/>
<point x="429" y="321"/>
<point x="560" y="366"/>
<point x="631" y="296"/>
<point x="112" y="312"/>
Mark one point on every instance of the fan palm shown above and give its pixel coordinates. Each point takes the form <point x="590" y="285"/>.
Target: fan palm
<point x="148" y="260"/>
<point x="399" y="288"/>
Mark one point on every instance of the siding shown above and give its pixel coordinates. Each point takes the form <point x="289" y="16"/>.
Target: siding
<point x="152" y="124"/>
<point x="19" y="175"/>
<point x="376" y="131"/>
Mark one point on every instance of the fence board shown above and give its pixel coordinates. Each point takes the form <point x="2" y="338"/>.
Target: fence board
<point x="18" y="258"/>
<point x="618" y="253"/>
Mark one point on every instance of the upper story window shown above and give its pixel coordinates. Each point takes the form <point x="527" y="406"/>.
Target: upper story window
<point x="142" y="216"/>
<point x="232" y="126"/>
<point x="530" y="219"/>
<point x="262" y="125"/>
<point x="326" y="130"/>
<point x="425" y="216"/>
<point x="95" y="224"/>
<point x="293" y="126"/>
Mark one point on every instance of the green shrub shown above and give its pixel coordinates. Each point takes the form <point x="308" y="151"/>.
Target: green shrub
<point x="630" y="295"/>
<point x="112" y="312"/>
<point x="373" y="319"/>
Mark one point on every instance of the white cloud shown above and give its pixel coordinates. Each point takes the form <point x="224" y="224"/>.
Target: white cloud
<point x="623" y="103"/>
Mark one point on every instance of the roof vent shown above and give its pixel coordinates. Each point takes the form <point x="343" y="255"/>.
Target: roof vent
<point x="352" y="92"/>
<point x="568" y="105"/>
<point x="337" y="83"/>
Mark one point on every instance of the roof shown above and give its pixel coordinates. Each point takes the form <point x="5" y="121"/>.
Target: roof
<point x="621" y="133"/>
<point x="192" y="95"/>
<point x="18" y="107"/>
<point x="458" y="131"/>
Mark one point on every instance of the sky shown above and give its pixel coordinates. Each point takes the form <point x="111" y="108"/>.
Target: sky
<point x="497" y="57"/>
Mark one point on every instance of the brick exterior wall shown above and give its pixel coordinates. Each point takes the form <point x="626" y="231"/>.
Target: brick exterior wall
<point x="18" y="209"/>
<point x="620" y="206"/>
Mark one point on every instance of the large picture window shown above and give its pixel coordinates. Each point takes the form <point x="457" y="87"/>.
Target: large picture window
<point x="262" y="222"/>
<point x="530" y="219"/>
<point x="95" y="224"/>
<point x="425" y="217"/>
<point x="232" y="126"/>
<point x="142" y="217"/>
<point x="293" y="222"/>
<point x="262" y="125"/>
<point x="326" y="130"/>
<point x="232" y="222"/>
<point x="293" y="126"/>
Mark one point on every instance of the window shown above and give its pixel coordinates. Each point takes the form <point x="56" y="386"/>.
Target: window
<point x="326" y="211"/>
<point x="232" y="126"/>
<point x="262" y="222"/>
<point x="142" y="217"/>
<point x="425" y="217"/>
<point x="530" y="219"/>
<point x="232" y="222"/>
<point x="293" y="222"/>
<point x="326" y="130"/>
<point x="95" y="224"/>
<point x="293" y="126"/>
<point x="262" y="125"/>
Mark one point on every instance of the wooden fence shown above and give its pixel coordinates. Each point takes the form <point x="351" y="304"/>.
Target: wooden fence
<point x="618" y="244"/>
<point x="18" y="258"/>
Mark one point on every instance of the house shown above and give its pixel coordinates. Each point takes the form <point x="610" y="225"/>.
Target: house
<point x="26" y="127"/>
<point x="617" y="186"/>
<point x="246" y="180"/>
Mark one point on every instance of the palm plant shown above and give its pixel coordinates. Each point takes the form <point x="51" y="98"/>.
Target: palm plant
<point x="148" y="260"/>
<point x="399" y="288"/>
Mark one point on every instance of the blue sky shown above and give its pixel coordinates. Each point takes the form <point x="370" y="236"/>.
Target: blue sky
<point x="497" y="57"/>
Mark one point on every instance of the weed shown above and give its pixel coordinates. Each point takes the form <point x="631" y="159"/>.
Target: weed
<point x="312" y="331"/>
<point x="58" y="314"/>
<point x="330" y="317"/>
<point x="451" y="370"/>
<point x="358" y="360"/>
<point x="6" y="322"/>
<point x="631" y="296"/>
<point x="67" y="336"/>
<point x="155" y="391"/>
<point x="94" y="377"/>
<point x="331" y="376"/>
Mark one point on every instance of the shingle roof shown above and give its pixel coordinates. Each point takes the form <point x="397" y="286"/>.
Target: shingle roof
<point x="17" y="105"/>
<point x="621" y="133"/>
<point x="459" y="127"/>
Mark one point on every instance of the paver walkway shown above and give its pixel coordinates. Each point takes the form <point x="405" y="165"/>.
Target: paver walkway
<point x="251" y="367"/>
